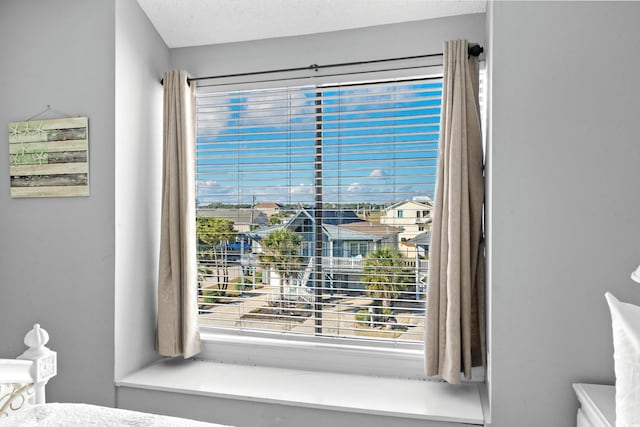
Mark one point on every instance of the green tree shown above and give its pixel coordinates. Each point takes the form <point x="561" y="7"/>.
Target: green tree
<point x="213" y="235"/>
<point x="274" y="220"/>
<point x="385" y="275"/>
<point x="280" y="253"/>
<point x="277" y="218"/>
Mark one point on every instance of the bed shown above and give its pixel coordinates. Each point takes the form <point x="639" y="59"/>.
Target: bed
<point x="23" y="400"/>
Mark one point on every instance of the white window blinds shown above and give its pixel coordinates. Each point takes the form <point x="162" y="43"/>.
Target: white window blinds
<point x="307" y="207"/>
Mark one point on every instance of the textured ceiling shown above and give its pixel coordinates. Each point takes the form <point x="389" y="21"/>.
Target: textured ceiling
<point x="197" y="22"/>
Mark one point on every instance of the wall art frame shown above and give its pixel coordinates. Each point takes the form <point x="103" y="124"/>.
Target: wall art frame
<point x="49" y="158"/>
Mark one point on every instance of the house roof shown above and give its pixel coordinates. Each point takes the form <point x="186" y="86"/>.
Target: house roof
<point x="238" y="216"/>
<point x="422" y="239"/>
<point x="368" y="227"/>
<point x="362" y="230"/>
<point x="335" y="232"/>
<point x="338" y="216"/>
<point x="298" y="214"/>
<point x="330" y="216"/>
<point x="261" y="233"/>
<point x="268" y="205"/>
<point x="398" y="204"/>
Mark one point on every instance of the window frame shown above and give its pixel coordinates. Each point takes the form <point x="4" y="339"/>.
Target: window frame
<point x="311" y="353"/>
<point x="331" y="354"/>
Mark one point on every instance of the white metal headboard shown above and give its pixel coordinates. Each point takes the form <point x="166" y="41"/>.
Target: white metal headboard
<point x="45" y="360"/>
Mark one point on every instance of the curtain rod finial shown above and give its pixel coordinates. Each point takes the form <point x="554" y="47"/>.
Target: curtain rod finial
<point x="475" y="50"/>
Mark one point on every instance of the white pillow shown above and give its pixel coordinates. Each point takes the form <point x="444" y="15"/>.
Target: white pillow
<point x="625" y="321"/>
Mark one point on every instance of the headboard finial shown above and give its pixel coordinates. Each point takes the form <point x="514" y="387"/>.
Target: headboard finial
<point x="45" y="361"/>
<point x="36" y="338"/>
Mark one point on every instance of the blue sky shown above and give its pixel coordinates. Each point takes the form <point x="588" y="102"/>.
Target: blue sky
<point x="379" y="143"/>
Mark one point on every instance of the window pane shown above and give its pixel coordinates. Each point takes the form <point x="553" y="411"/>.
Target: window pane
<point x="312" y="206"/>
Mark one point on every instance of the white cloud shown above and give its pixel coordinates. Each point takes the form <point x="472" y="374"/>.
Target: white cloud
<point x="211" y="186"/>
<point x="355" y="187"/>
<point x="208" y="191"/>
<point x="301" y="189"/>
<point x="377" y="173"/>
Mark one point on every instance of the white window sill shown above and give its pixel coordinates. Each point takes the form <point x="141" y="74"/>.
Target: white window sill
<point x="320" y="390"/>
<point x="323" y="354"/>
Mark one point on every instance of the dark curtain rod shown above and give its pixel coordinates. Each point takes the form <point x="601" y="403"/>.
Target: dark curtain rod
<point x="474" y="50"/>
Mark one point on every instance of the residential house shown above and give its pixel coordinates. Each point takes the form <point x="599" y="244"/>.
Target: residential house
<point x="268" y="208"/>
<point x="414" y="217"/>
<point x="346" y="241"/>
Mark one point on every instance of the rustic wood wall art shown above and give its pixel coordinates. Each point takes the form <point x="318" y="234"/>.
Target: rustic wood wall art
<point x="49" y="158"/>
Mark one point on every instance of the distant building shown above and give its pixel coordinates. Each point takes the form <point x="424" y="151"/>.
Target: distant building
<point x="268" y="208"/>
<point x="347" y="239"/>
<point x="345" y="235"/>
<point x="414" y="217"/>
<point x="244" y="220"/>
<point x="422" y="242"/>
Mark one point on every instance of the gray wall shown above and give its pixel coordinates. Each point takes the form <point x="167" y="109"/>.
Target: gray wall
<point x="563" y="173"/>
<point x="141" y="59"/>
<point x="57" y="254"/>
<point x="564" y="200"/>
<point x="379" y="42"/>
<point x="387" y="41"/>
<point x="257" y="414"/>
<point x="85" y="268"/>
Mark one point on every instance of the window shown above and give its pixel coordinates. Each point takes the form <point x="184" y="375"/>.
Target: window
<point x="359" y="249"/>
<point x="334" y="157"/>
<point x="400" y="213"/>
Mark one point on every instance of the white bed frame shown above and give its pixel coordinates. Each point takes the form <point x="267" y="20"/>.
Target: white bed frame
<point x="22" y="397"/>
<point x="25" y="378"/>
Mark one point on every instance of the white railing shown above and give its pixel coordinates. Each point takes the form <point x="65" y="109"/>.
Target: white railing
<point x="248" y="260"/>
<point x="343" y="263"/>
<point x="338" y="263"/>
<point x="307" y="273"/>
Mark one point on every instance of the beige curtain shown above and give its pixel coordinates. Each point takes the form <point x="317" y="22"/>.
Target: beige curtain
<point x="177" y="299"/>
<point x="455" y="295"/>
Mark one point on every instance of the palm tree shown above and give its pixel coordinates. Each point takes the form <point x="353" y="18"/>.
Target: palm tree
<point x="216" y="232"/>
<point x="385" y="275"/>
<point x="280" y="253"/>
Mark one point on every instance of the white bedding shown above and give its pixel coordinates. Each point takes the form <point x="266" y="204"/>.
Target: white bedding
<point x="81" y="415"/>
